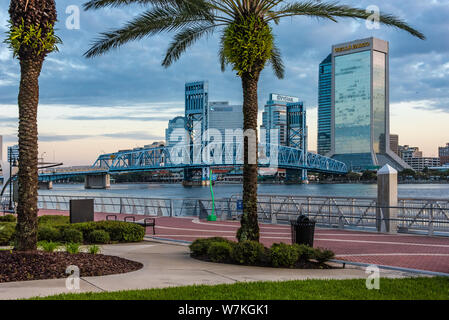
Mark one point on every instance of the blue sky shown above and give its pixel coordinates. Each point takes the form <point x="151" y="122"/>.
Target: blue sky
<point x="125" y="98"/>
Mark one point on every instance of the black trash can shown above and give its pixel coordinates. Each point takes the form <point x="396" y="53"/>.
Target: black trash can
<point x="303" y="231"/>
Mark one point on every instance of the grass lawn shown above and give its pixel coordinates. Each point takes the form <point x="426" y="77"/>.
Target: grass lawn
<point x="390" y="289"/>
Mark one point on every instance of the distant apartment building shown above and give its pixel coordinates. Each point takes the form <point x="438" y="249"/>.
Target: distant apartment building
<point x="324" y="106"/>
<point x="1" y="148"/>
<point x="419" y="164"/>
<point x="274" y="117"/>
<point x="414" y="158"/>
<point x="177" y="123"/>
<point x="443" y="153"/>
<point x="406" y="152"/>
<point x="394" y="143"/>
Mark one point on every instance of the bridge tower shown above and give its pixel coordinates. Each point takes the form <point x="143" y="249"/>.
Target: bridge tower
<point x="297" y="138"/>
<point x="197" y="120"/>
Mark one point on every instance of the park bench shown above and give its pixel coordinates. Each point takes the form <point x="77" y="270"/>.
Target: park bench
<point x="147" y="222"/>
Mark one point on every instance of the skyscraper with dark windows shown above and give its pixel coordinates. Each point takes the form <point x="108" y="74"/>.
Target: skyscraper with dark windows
<point x="360" y="128"/>
<point x="324" y="105"/>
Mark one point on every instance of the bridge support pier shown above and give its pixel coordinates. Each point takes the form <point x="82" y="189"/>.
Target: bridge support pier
<point x="387" y="200"/>
<point x="99" y="181"/>
<point x="296" y="176"/>
<point x="198" y="177"/>
<point x="45" y="185"/>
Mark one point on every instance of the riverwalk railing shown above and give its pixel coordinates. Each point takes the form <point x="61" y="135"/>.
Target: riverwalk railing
<point x="429" y="216"/>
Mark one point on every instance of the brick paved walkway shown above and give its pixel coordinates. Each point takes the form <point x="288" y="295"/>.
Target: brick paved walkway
<point x="406" y="251"/>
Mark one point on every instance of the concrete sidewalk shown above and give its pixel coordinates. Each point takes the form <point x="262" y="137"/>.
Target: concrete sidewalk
<point x="169" y="265"/>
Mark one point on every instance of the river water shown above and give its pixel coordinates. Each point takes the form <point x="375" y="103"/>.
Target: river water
<point x="177" y="191"/>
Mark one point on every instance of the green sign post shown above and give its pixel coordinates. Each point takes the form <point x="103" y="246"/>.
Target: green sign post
<point x="212" y="216"/>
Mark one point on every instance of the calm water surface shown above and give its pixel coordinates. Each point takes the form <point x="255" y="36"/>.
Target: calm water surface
<point x="176" y="191"/>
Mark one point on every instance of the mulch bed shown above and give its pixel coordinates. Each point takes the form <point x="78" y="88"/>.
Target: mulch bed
<point x="38" y="265"/>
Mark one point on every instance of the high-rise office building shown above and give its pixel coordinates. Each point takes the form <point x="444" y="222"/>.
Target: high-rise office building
<point x="443" y="153"/>
<point x="361" y="111"/>
<point x="174" y="131"/>
<point x="274" y="117"/>
<point x="223" y="116"/>
<point x="324" y="105"/>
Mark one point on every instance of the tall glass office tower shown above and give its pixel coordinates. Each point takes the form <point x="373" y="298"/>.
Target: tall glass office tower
<point x="360" y="99"/>
<point x="274" y="117"/>
<point x="324" y="105"/>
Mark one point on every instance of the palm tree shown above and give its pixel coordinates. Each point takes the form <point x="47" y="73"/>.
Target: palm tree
<point x="31" y="37"/>
<point x="247" y="44"/>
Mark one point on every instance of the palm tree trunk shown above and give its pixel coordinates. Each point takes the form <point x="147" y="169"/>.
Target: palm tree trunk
<point x="28" y="155"/>
<point x="249" y="229"/>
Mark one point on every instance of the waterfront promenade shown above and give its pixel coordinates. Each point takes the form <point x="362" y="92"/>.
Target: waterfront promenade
<point x="401" y="250"/>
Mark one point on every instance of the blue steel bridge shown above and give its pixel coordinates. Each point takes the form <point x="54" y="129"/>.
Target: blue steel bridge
<point x="196" y="160"/>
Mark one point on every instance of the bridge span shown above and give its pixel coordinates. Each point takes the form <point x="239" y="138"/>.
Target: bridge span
<point x="196" y="161"/>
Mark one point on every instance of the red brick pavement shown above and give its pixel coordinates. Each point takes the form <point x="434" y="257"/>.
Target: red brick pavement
<point x="407" y="251"/>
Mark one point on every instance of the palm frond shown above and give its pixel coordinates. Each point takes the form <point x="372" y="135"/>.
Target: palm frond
<point x="184" y="39"/>
<point x="221" y="54"/>
<point x="153" y="21"/>
<point x="277" y="63"/>
<point x="333" y="10"/>
<point x="97" y="4"/>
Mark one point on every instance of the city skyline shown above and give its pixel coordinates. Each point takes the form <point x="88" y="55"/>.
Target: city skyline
<point x="83" y="113"/>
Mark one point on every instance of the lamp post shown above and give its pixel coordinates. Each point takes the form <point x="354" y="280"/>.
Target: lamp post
<point x="10" y="180"/>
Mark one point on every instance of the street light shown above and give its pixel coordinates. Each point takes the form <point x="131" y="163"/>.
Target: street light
<point x="12" y="163"/>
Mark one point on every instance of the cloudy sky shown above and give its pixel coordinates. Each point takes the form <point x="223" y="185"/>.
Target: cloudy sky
<point x="125" y="98"/>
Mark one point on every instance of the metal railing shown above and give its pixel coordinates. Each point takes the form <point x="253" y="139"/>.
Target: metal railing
<point x="430" y="216"/>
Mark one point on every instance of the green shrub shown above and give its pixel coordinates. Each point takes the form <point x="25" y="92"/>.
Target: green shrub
<point x="48" y="233"/>
<point x="117" y="230"/>
<point x="283" y="255"/>
<point x="323" y="255"/>
<point x="99" y="236"/>
<point x="8" y="218"/>
<point x="220" y="251"/>
<point x="248" y="252"/>
<point x="72" y="235"/>
<point x="199" y="247"/>
<point x="7" y="233"/>
<point x="53" y="220"/>
<point x="48" y="246"/>
<point x="305" y="252"/>
<point x="72" y="247"/>
<point x="94" y="249"/>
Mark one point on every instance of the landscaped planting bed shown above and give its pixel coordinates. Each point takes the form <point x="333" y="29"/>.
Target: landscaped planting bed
<point x="58" y="229"/>
<point x="253" y="253"/>
<point x="38" y="265"/>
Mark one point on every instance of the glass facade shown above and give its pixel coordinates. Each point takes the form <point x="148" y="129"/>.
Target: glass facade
<point x="379" y="99"/>
<point x="353" y="103"/>
<point x="324" y="105"/>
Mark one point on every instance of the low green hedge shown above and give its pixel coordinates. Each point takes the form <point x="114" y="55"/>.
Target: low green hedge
<point x="248" y="252"/>
<point x="284" y="255"/>
<point x="7" y="232"/>
<point x="58" y="229"/>
<point x="8" y="218"/>
<point x="99" y="236"/>
<point x="254" y="253"/>
<point x="220" y="251"/>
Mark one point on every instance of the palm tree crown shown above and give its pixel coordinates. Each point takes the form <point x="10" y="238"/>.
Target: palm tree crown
<point x="194" y="19"/>
<point x="246" y="43"/>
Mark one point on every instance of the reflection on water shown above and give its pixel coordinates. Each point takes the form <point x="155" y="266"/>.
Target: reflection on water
<point x="176" y="191"/>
